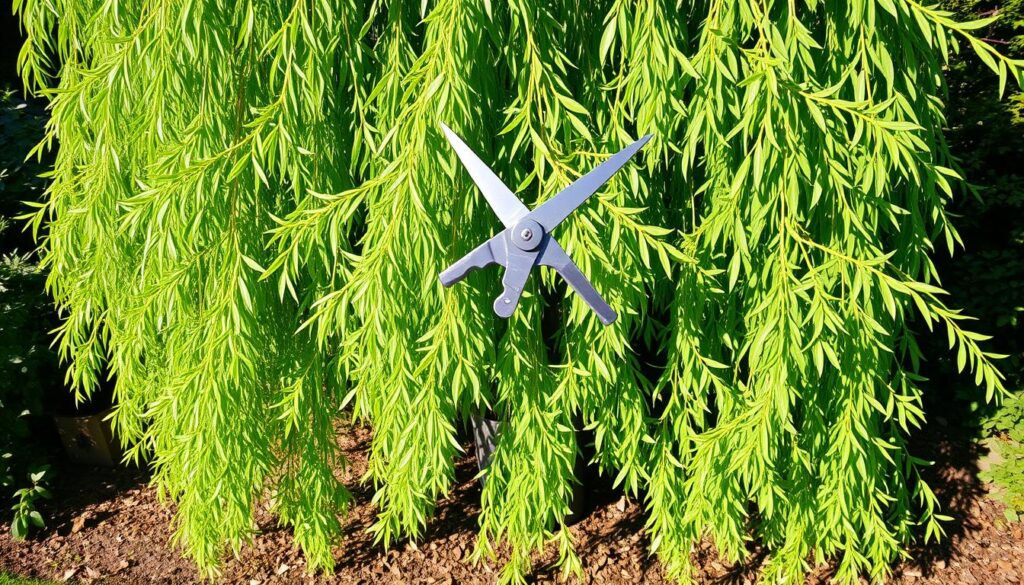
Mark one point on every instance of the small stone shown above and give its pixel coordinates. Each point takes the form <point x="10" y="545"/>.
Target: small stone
<point x="68" y="575"/>
<point x="254" y="582"/>
<point x="282" y="569"/>
<point x="621" y="504"/>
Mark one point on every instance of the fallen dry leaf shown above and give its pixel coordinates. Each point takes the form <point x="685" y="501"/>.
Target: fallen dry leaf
<point x="79" y="522"/>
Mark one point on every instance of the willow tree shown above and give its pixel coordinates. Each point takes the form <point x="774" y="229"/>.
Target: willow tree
<point x="252" y="199"/>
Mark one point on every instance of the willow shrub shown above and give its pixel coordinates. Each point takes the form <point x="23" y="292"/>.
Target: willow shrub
<point x="251" y="202"/>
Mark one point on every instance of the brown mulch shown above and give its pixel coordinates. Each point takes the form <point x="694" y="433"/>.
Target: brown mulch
<point x="108" y="527"/>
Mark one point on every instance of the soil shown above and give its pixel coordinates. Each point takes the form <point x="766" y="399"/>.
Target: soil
<point x="107" y="526"/>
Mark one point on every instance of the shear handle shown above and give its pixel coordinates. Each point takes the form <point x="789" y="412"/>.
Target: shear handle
<point x="555" y="256"/>
<point x="481" y="256"/>
<point x="517" y="272"/>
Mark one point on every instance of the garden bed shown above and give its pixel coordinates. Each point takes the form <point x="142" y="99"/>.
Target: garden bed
<point x="108" y="527"/>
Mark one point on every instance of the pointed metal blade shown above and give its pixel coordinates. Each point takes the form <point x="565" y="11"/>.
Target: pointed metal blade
<point x="553" y="211"/>
<point x="502" y="200"/>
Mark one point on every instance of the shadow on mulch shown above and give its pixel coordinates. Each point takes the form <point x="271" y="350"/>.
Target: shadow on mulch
<point x="77" y="487"/>
<point x="452" y="516"/>
<point x="953" y="478"/>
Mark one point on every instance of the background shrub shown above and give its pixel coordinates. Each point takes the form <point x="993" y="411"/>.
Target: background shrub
<point x="987" y="277"/>
<point x="29" y="370"/>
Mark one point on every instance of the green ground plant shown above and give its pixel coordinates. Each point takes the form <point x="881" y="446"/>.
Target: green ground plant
<point x="1006" y="427"/>
<point x="252" y="199"/>
<point x="8" y="579"/>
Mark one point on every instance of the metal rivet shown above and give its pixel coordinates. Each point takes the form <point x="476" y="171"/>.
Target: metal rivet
<point x="526" y="234"/>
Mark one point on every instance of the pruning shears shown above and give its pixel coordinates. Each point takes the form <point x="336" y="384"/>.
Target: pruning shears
<point x="526" y="240"/>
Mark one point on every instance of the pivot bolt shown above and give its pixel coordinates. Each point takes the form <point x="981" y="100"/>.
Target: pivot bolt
<point x="527" y="234"/>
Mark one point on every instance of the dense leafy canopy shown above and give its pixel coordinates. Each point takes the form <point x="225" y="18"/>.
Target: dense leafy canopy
<point x="252" y="199"/>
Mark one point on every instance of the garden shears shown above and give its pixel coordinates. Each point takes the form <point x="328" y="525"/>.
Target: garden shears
<point x="526" y="240"/>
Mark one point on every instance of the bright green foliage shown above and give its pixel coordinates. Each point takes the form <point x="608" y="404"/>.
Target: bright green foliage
<point x="252" y="200"/>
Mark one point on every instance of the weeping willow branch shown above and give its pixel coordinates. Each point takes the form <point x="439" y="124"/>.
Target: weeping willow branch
<point x="251" y="202"/>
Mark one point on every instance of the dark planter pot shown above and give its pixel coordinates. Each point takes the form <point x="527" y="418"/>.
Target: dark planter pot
<point x="485" y="440"/>
<point x="88" y="439"/>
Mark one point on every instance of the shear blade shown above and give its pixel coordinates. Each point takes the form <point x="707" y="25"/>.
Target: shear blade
<point x="553" y="211"/>
<point x="502" y="200"/>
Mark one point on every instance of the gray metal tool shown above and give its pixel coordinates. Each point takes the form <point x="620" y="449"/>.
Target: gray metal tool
<point x="526" y="239"/>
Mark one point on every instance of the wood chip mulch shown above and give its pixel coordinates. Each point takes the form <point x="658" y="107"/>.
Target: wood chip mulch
<point x="106" y="526"/>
